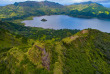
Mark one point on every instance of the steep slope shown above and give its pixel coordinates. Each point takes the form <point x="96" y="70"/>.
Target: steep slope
<point x="89" y="10"/>
<point x="26" y="56"/>
<point x="19" y="54"/>
<point x="87" y="52"/>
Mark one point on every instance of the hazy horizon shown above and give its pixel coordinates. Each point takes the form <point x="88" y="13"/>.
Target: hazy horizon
<point x="5" y="2"/>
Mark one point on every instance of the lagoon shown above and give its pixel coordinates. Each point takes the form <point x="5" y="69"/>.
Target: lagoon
<point x="67" y="22"/>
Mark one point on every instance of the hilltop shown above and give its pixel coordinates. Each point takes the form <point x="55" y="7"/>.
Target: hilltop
<point x="87" y="52"/>
<point x="39" y="4"/>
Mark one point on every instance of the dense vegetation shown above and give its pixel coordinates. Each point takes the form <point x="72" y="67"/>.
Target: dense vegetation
<point x="36" y="33"/>
<point x="89" y="10"/>
<point x="31" y="8"/>
<point x="18" y="47"/>
<point x="66" y="51"/>
<point x="87" y="52"/>
<point x="31" y="50"/>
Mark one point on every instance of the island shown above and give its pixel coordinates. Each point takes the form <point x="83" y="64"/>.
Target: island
<point x="43" y="20"/>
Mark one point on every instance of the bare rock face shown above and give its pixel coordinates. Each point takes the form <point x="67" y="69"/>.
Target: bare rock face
<point x="45" y="57"/>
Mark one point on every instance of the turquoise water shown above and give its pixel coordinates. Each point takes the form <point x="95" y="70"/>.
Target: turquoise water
<point x="67" y="22"/>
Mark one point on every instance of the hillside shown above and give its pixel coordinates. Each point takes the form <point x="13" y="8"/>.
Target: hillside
<point x="87" y="51"/>
<point x="29" y="8"/>
<point x="83" y="5"/>
<point x="89" y="10"/>
<point x="22" y="10"/>
<point x="33" y="50"/>
<point x="36" y="33"/>
<point x="19" y="45"/>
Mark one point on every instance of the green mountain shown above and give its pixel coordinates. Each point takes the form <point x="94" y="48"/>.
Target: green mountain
<point x="29" y="8"/>
<point x="89" y="10"/>
<point x="39" y="4"/>
<point x="26" y="9"/>
<point x="44" y="51"/>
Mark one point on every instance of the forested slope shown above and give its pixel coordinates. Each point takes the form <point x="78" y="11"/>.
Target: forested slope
<point x="87" y="51"/>
<point x="89" y="10"/>
<point x="26" y="9"/>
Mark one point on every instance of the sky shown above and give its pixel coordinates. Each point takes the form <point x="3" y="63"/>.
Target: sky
<point x="106" y="4"/>
<point x="4" y="2"/>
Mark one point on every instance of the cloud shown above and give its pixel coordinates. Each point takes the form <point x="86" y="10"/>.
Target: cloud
<point x="59" y="1"/>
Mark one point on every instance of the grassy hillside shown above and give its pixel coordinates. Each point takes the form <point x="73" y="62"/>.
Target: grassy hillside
<point x="87" y="51"/>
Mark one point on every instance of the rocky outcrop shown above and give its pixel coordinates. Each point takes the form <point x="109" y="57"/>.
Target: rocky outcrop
<point x="45" y="58"/>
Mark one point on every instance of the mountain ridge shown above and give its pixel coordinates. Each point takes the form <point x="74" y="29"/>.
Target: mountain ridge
<point x="85" y="3"/>
<point x="42" y="3"/>
<point x="87" y="51"/>
<point x="89" y="45"/>
<point x="26" y="9"/>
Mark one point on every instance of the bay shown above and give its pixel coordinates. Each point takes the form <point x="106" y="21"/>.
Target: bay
<point x="67" y="22"/>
